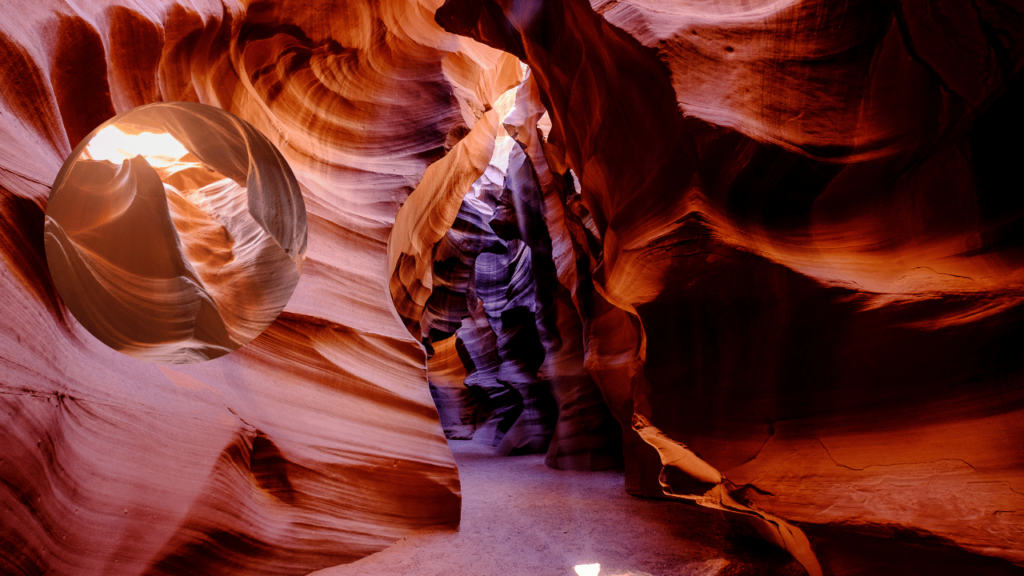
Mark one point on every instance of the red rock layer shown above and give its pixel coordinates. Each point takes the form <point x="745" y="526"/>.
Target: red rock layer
<point x="797" y="270"/>
<point x="316" y="444"/>
<point x="783" y="249"/>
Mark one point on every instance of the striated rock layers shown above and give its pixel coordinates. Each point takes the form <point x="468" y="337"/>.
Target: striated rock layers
<point x="175" y="233"/>
<point x="796" y="253"/>
<point x="490" y="281"/>
<point x="315" y="444"/>
<point x="779" y="242"/>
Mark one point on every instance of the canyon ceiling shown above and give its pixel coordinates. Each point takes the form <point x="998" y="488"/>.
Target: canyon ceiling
<point x="764" y="254"/>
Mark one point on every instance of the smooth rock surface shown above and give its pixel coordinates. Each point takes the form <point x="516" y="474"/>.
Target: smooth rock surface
<point x="786" y="236"/>
<point x="317" y="443"/>
<point x="175" y="233"/>
<point x="787" y="241"/>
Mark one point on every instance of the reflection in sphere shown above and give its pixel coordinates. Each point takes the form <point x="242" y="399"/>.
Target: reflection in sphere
<point x="175" y="233"/>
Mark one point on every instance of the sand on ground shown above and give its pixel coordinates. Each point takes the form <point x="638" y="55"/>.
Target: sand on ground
<point x="521" y="518"/>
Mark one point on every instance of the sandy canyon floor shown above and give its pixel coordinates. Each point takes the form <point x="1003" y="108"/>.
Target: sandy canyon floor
<point x="521" y="518"/>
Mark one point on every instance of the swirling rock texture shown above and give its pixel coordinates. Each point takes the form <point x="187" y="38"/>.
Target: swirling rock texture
<point x="779" y="241"/>
<point x="315" y="444"/>
<point x="801" y="281"/>
<point x="490" y="280"/>
<point x="183" y="247"/>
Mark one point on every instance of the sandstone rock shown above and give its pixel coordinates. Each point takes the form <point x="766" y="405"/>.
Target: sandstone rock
<point x="792" y="232"/>
<point x="780" y="251"/>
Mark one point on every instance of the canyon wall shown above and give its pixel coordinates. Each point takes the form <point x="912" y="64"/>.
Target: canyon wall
<point x="764" y="254"/>
<point x="317" y="443"/>
<point x="797" y="256"/>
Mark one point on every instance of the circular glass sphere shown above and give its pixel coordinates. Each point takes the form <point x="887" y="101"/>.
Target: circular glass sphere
<point x="175" y="232"/>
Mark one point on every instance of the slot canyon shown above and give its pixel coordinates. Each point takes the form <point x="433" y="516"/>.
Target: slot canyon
<point x="680" y="287"/>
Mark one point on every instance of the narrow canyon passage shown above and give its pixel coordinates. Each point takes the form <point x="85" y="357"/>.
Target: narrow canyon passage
<point x="703" y="264"/>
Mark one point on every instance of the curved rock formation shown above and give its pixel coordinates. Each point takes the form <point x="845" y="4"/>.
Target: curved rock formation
<point x="794" y="266"/>
<point x="491" y="280"/>
<point x="317" y="443"/>
<point x="175" y="233"/>
<point x="772" y="239"/>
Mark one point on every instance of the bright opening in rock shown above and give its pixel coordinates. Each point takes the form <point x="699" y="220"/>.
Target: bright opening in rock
<point x="156" y="240"/>
<point x="114" y="144"/>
